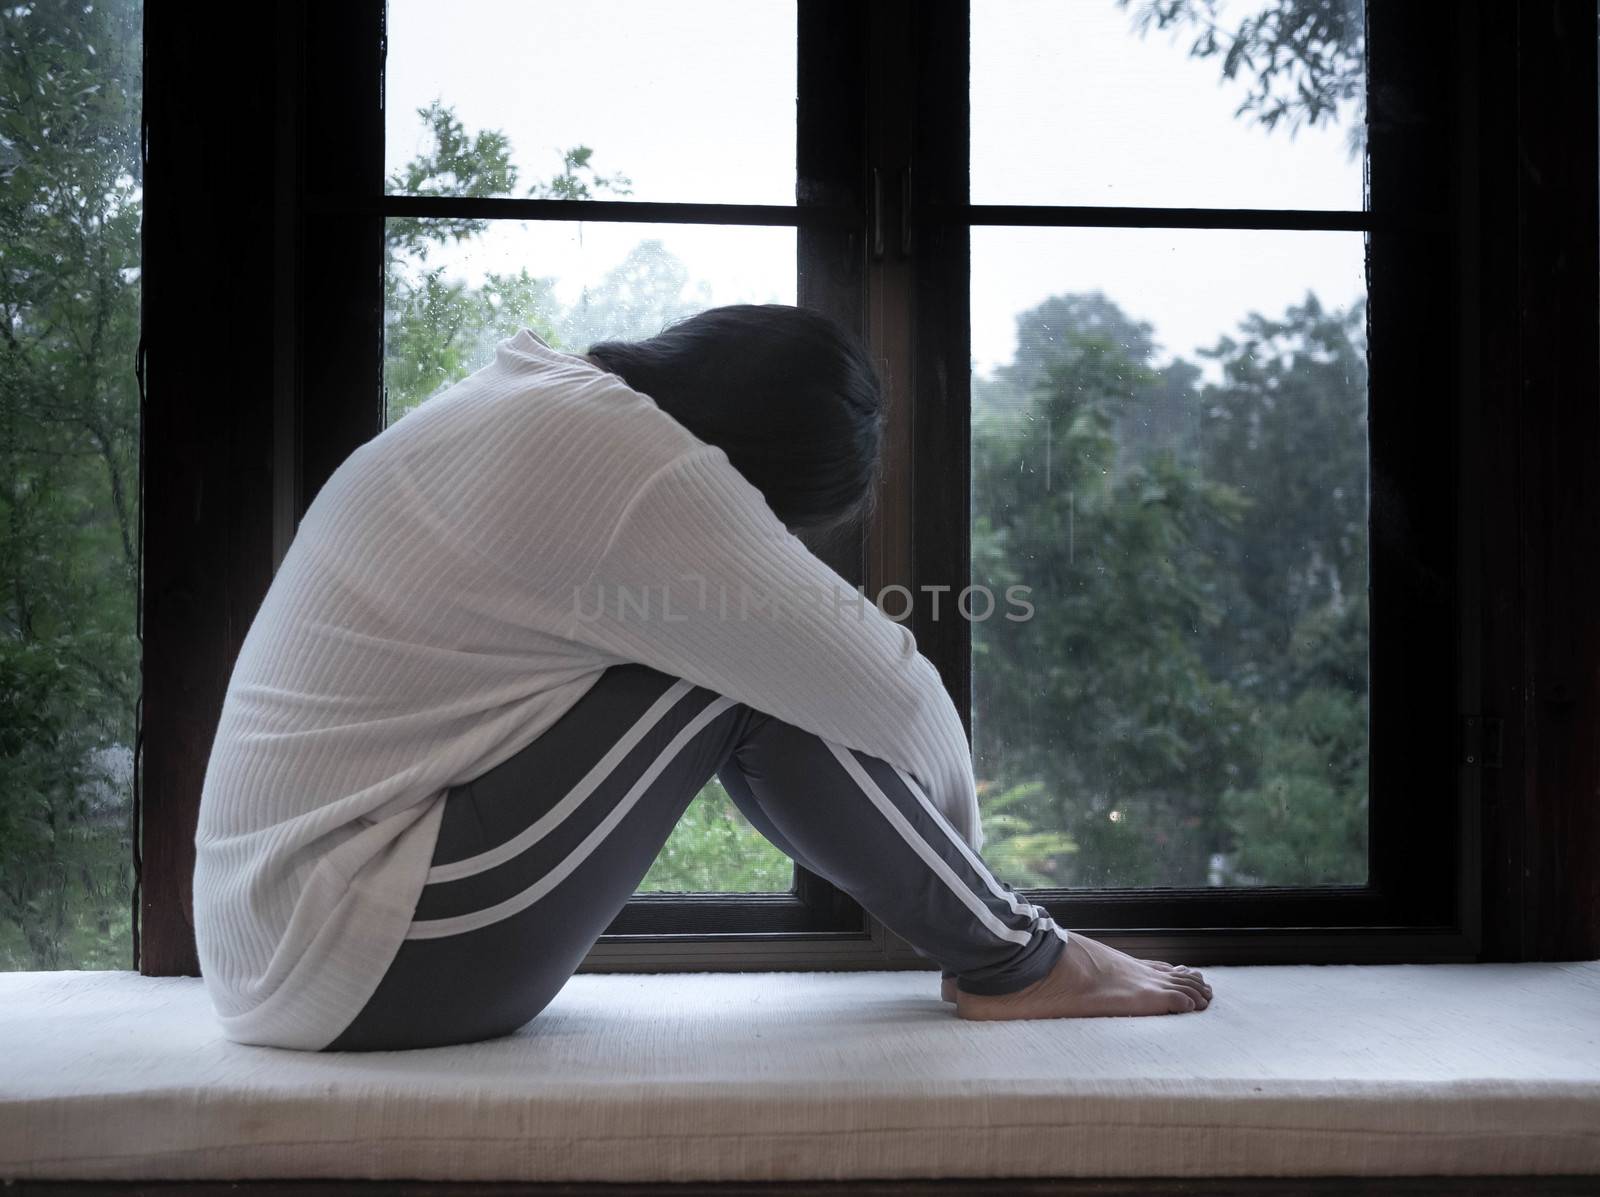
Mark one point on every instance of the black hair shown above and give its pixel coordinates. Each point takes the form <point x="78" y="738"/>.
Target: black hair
<point x="789" y="395"/>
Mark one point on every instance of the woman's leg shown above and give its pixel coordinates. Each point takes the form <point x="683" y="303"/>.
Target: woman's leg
<point x="536" y="858"/>
<point x="866" y="827"/>
<point x="738" y="786"/>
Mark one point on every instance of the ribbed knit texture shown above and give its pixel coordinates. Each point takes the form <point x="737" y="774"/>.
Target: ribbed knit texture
<point x="456" y="586"/>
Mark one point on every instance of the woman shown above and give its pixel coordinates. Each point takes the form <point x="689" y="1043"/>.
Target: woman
<point x="514" y="636"/>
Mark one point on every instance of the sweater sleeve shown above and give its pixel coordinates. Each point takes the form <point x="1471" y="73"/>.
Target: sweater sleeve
<point x="701" y="580"/>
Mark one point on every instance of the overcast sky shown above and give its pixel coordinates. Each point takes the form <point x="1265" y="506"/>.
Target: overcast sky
<point x="694" y="100"/>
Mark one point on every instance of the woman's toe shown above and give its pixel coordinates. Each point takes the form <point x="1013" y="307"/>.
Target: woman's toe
<point x="1179" y="1002"/>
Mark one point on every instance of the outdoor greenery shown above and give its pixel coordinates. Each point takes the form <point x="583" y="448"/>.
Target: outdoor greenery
<point x="69" y="435"/>
<point x="1302" y="62"/>
<point x="1187" y="705"/>
<point x="1189" y="699"/>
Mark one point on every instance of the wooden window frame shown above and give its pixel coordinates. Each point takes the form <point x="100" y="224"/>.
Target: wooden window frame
<point x="1482" y="121"/>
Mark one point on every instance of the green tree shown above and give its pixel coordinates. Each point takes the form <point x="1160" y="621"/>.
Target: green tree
<point x="1101" y="700"/>
<point x="1155" y="411"/>
<point x="715" y="849"/>
<point x="1188" y="702"/>
<point x="1287" y="426"/>
<point x="1303" y="60"/>
<point x="437" y="329"/>
<point x="1304" y="821"/>
<point x="69" y="228"/>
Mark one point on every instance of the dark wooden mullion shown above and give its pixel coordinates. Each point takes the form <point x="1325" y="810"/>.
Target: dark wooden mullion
<point x="1534" y="466"/>
<point x="820" y="215"/>
<point x="1068" y="216"/>
<point x="736" y="913"/>
<point x="941" y="299"/>
<point x="846" y="214"/>
<point x="921" y="308"/>
<point x="341" y="297"/>
<point x="888" y="548"/>
<point x="1417" y="819"/>
<point x="206" y="468"/>
<point x="889" y="551"/>
<point x="830" y="174"/>
<point x="1198" y="908"/>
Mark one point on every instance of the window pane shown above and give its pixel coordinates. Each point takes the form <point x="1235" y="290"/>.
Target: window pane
<point x="1099" y="102"/>
<point x="69" y="434"/>
<point x="452" y="292"/>
<point x="683" y="102"/>
<point x="1170" y="452"/>
<point x="714" y="849"/>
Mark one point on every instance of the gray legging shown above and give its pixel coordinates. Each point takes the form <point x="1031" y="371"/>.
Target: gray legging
<point x="537" y="856"/>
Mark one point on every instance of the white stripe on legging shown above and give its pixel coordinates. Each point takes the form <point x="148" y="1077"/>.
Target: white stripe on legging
<point x="937" y="863"/>
<point x="1046" y="923"/>
<point x="1018" y="906"/>
<point x="462" y="923"/>
<point x="521" y="842"/>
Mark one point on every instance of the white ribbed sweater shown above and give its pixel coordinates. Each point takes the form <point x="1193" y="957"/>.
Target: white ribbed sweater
<point x="456" y="586"/>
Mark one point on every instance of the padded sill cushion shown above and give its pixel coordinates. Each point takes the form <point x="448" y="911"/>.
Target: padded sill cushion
<point x="1307" y="1070"/>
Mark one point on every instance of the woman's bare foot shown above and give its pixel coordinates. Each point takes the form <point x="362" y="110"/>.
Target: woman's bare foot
<point x="1091" y="980"/>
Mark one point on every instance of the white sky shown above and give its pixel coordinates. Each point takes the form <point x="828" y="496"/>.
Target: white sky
<point x="695" y="102"/>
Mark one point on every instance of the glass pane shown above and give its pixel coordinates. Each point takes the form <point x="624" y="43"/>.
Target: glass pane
<point x="453" y="291"/>
<point x="1130" y="102"/>
<point x="715" y="850"/>
<point x="1170" y="454"/>
<point x="69" y="436"/>
<point x="683" y="102"/>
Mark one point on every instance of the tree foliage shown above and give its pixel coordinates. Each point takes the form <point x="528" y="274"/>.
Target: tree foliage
<point x="69" y="261"/>
<point x="437" y="328"/>
<point x="1301" y="60"/>
<point x="1189" y="700"/>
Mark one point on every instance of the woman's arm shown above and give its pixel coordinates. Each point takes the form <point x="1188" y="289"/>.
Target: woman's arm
<point x="702" y="581"/>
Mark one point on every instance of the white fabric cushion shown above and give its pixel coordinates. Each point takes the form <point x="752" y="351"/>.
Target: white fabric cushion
<point x="1452" y="1069"/>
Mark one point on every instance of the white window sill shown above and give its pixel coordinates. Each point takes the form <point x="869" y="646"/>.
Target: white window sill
<point x="1335" y="1070"/>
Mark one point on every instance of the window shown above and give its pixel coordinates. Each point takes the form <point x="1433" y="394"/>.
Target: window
<point x="1103" y="294"/>
<point x="1134" y="767"/>
<point x="70" y="199"/>
<point x="1169" y="444"/>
